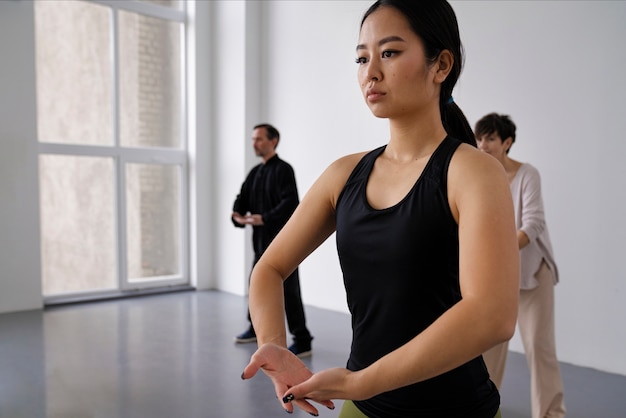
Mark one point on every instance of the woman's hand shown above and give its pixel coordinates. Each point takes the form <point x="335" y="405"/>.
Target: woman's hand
<point x="286" y="371"/>
<point x="336" y="383"/>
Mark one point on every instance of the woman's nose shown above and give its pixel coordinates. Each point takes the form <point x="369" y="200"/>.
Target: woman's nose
<point x="373" y="71"/>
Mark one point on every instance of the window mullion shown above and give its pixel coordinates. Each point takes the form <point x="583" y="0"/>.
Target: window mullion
<point x="120" y="177"/>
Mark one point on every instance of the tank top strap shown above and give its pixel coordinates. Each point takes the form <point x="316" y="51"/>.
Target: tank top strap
<point x="437" y="169"/>
<point x="363" y="168"/>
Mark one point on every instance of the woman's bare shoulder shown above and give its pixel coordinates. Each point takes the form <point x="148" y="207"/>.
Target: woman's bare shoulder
<point x="470" y="161"/>
<point x="475" y="177"/>
<point x="347" y="162"/>
<point x="334" y="178"/>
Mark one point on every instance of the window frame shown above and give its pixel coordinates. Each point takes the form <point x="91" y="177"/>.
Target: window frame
<point x="146" y="155"/>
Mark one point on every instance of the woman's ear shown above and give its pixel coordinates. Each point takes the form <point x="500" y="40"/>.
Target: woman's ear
<point x="443" y="65"/>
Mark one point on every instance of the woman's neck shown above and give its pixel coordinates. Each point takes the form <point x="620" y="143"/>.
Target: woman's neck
<point x="414" y="139"/>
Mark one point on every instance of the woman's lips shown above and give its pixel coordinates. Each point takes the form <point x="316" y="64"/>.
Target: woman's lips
<point x="374" y="95"/>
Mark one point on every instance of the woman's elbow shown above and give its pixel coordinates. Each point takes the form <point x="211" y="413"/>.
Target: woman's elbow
<point x="504" y="328"/>
<point x="507" y="330"/>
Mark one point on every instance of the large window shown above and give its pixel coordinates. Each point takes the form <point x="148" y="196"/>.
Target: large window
<point x="113" y="161"/>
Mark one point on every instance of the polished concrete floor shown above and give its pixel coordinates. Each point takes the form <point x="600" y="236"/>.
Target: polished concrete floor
<point x="173" y="355"/>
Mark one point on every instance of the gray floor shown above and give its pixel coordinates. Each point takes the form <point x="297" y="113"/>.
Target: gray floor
<point x="173" y="356"/>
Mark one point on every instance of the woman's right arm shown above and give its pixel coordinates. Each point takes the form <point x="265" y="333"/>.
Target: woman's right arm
<point x="310" y="225"/>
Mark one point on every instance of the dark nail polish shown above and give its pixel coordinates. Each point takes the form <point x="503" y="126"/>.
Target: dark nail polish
<point x="242" y="378"/>
<point x="314" y="414"/>
<point x="289" y="398"/>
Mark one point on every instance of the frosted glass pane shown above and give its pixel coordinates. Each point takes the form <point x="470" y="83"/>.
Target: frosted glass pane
<point x="74" y="77"/>
<point x="175" y="4"/>
<point x="152" y="220"/>
<point x="150" y="82"/>
<point x="77" y="224"/>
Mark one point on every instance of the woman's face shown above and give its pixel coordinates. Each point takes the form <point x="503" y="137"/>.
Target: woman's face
<point x="394" y="76"/>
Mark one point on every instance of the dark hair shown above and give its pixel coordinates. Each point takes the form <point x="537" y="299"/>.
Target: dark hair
<point x="270" y="130"/>
<point x="495" y="123"/>
<point x="434" y="22"/>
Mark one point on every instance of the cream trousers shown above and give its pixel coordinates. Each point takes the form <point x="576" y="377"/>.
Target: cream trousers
<point x="536" y="325"/>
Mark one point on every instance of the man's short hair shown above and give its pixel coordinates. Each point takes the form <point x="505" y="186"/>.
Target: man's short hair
<point x="271" y="131"/>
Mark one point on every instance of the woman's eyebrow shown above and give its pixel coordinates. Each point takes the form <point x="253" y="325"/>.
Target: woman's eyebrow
<point x="392" y="38"/>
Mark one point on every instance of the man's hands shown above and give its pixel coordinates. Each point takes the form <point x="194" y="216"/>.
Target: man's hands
<point x="248" y="219"/>
<point x="287" y="372"/>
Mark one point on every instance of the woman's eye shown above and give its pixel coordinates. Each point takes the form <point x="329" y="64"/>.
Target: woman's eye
<point x="360" y="60"/>
<point x="388" y="54"/>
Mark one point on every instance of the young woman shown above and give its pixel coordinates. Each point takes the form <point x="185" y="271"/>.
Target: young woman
<point x="425" y="234"/>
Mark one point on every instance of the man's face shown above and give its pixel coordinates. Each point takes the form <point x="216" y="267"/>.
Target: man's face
<point x="262" y="145"/>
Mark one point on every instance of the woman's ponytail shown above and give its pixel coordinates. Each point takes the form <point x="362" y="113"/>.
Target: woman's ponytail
<point x="455" y="122"/>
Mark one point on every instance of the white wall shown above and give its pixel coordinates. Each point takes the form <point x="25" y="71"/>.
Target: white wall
<point x="236" y="50"/>
<point x="226" y="47"/>
<point x="554" y="66"/>
<point x="20" y="284"/>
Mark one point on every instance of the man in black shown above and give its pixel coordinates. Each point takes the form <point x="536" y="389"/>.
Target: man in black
<point x="267" y="199"/>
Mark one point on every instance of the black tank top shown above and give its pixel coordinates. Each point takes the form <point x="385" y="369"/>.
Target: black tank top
<point x="401" y="272"/>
